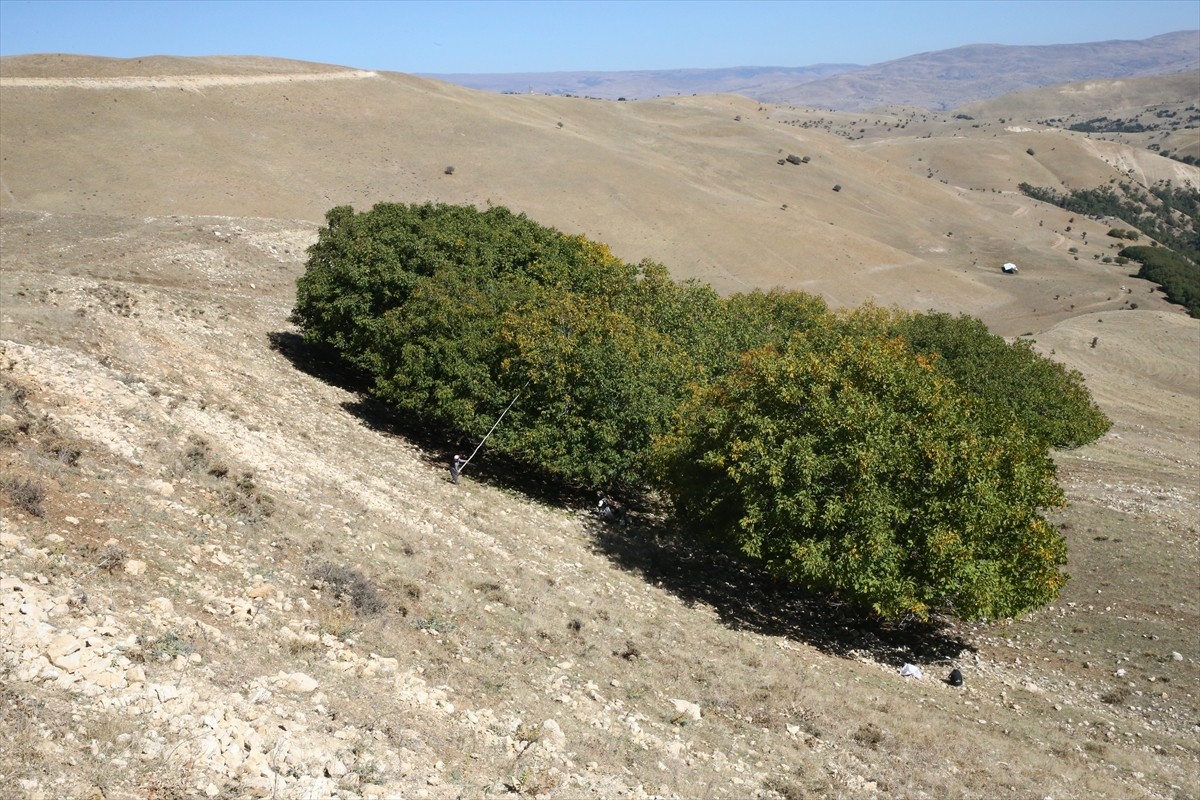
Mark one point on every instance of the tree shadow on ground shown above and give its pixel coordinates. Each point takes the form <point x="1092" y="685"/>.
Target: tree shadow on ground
<point x="746" y="598"/>
<point x="742" y="595"/>
<point x="436" y="446"/>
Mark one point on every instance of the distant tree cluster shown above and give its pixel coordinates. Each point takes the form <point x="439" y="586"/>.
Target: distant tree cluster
<point x="899" y="460"/>
<point x="1106" y="125"/>
<point x="1167" y="213"/>
<point x="1178" y="277"/>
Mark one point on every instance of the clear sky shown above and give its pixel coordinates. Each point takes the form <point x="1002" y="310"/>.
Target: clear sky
<point x="449" y="36"/>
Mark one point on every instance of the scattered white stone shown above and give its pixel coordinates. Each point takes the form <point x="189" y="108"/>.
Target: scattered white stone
<point x="161" y="604"/>
<point x="62" y="645"/>
<point x="166" y="692"/>
<point x="135" y="567"/>
<point x="553" y="734"/>
<point x="1176" y="656"/>
<point x="685" y="708"/>
<point x="299" y="683"/>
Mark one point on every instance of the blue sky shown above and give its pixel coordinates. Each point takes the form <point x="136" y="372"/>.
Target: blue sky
<point x="546" y="36"/>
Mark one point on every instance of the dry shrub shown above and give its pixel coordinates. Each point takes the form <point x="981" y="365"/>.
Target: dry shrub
<point x="245" y="501"/>
<point x="1116" y="696"/>
<point x="348" y="584"/>
<point x="24" y="494"/>
<point x="110" y="557"/>
<point x="199" y="456"/>
<point x="869" y="736"/>
<point x="20" y="755"/>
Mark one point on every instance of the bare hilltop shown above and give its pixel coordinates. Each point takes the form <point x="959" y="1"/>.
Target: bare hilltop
<point x="225" y="573"/>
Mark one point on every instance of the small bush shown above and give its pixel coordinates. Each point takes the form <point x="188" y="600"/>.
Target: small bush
<point x="24" y="494"/>
<point x="161" y="648"/>
<point x="1117" y="696"/>
<point x="110" y="557"/>
<point x="349" y="584"/>
<point x="869" y="736"/>
<point x="245" y="501"/>
<point x="65" y="451"/>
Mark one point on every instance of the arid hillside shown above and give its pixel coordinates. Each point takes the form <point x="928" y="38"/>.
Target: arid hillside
<point x="225" y="573"/>
<point x="694" y="183"/>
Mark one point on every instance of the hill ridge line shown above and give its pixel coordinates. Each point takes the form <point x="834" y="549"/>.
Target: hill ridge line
<point x="185" y="81"/>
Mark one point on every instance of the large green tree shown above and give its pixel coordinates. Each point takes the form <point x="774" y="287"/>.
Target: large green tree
<point x="845" y="462"/>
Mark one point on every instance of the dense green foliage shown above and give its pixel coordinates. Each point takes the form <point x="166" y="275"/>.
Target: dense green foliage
<point x="1050" y="401"/>
<point x="454" y="311"/>
<point x="844" y="461"/>
<point x="1178" y="276"/>
<point x="898" y="459"/>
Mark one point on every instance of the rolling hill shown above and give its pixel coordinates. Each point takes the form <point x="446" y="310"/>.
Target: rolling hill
<point x="939" y="80"/>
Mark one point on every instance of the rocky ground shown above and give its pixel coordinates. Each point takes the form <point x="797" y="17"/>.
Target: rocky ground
<point x="223" y="574"/>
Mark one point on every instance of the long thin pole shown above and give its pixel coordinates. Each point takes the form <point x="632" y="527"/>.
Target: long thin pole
<point x="494" y="426"/>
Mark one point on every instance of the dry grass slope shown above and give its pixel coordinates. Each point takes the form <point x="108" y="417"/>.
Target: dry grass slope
<point x="245" y="582"/>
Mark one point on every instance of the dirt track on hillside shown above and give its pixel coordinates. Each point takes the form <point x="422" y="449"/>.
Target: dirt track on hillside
<point x="186" y="82"/>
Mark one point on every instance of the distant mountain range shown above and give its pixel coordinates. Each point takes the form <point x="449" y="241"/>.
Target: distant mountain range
<point x="939" y="80"/>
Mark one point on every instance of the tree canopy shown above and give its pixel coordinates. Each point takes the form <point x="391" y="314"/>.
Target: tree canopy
<point x="1050" y="401"/>
<point x="900" y="460"/>
<point x="848" y="462"/>
<point x="454" y="311"/>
